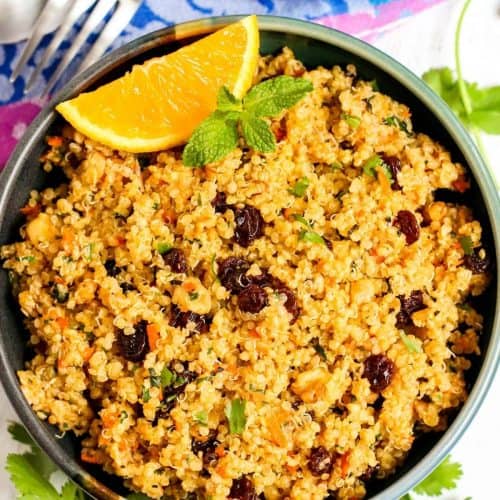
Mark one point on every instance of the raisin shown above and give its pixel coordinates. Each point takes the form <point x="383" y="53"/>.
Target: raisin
<point x="232" y="274"/>
<point x="345" y="145"/>
<point x="407" y="223"/>
<point x="414" y="302"/>
<point x="60" y="293"/>
<point x="249" y="225"/>
<point x="176" y="259"/>
<point x="180" y="319"/>
<point x="279" y="129"/>
<point x="219" y="203"/>
<point x="242" y="489"/>
<point x="379" y="370"/>
<point x="252" y="299"/>
<point x="127" y="287"/>
<point x="207" y="448"/>
<point x="395" y="167"/>
<point x="369" y="473"/>
<point x="111" y="268"/>
<point x="477" y="264"/>
<point x="320" y="461"/>
<point x="134" y="347"/>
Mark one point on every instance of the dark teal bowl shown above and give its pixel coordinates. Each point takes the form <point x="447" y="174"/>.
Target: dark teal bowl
<point x="315" y="45"/>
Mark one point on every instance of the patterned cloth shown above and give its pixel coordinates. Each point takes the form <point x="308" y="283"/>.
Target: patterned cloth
<point x="362" y="18"/>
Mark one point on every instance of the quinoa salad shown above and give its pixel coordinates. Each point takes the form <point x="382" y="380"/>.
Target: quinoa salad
<point x="272" y="325"/>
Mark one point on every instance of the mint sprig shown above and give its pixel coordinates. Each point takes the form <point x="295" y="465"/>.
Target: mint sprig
<point x="216" y="136"/>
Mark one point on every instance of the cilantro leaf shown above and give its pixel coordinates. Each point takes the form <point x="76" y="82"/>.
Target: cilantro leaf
<point x="371" y="164"/>
<point x="227" y="101"/>
<point x="410" y="344"/>
<point x="352" y="121"/>
<point x="213" y="139"/>
<point x="163" y="248"/>
<point x="201" y="417"/>
<point x="166" y="377"/>
<point x="443" y="477"/>
<point x="466" y="244"/>
<point x="272" y="96"/>
<point x="312" y="237"/>
<point x="257" y="134"/>
<point x="28" y="480"/>
<point x="235" y="413"/>
<point x="302" y="220"/>
<point x="300" y="187"/>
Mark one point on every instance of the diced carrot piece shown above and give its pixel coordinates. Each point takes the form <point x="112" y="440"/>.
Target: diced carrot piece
<point x="30" y="210"/>
<point x="87" y="353"/>
<point x="383" y="180"/>
<point x="220" y="451"/>
<point x="62" y="322"/>
<point x="169" y="216"/>
<point x="189" y="286"/>
<point x="461" y="184"/>
<point x="153" y="332"/>
<point x="344" y="463"/>
<point x="109" y="419"/>
<point x="55" y="141"/>
<point x="292" y="469"/>
<point x="287" y="213"/>
<point x="68" y="236"/>
<point x="254" y="333"/>
<point x="59" y="280"/>
<point x="91" y="457"/>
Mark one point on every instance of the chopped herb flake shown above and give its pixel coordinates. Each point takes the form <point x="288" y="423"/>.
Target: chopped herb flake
<point x="397" y="122"/>
<point x="193" y="295"/>
<point x="352" y="121"/>
<point x="302" y="220"/>
<point x="410" y="344"/>
<point x="319" y="349"/>
<point x="336" y="166"/>
<point x="154" y="378"/>
<point x="467" y="245"/>
<point x="156" y="206"/>
<point x="235" y="413"/>
<point x="123" y="416"/>
<point x="300" y="187"/>
<point x="145" y="394"/>
<point x="371" y="164"/>
<point x="201" y="418"/>
<point x="163" y="248"/>
<point x="166" y="377"/>
<point x="27" y="258"/>
<point x="312" y="237"/>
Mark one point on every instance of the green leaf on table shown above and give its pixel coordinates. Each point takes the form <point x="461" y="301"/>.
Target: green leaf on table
<point x="272" y="96"/>
<point x="257" y="134"/>
<point x="443" y="477"/>
<point x="213" y="139"/>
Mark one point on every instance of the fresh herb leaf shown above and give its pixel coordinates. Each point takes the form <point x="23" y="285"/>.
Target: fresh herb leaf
<point x="123" y="416"/>
<point x="466" y="244"/>
<point x="29" y="481"/>
<point x="89" y="251"/>
<point x="154" y="379"/>
<point x="235" y="413"/>
<point x="352" y="121"/>
<point x="201" y="418"/>
<point x="257" y="134"/>
<point x="213" y="139"/>
<point x="166" y="377"/>
<point x="336" y="165"/>
<point x="443" y="477"/>
<point x="272" y="96"/>
<point x="302" y="220"/>
<point x="193" y="295"/>
<point x="319" y="349"/>
<point x="163" y="248"/>
<point x="27" y="258"/>
<point x="146" y="396"/>
<point x="397" y="122"/>
<point x="300" y="187"/>
<point x="410" y="344"/>
<point x="369" y="168"/>
<point x="312" y="237"/>
<point x="227" y="101"/>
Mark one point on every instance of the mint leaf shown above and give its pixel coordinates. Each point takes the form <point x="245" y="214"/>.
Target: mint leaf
<point x="212" y="140"/>
<point x="410" y="344"/>
<point x="311" y="236"/>
<point x="466" y="244"/>
<point x="227" y="101"/>
<point x="443" y="477"/>
<point x="488" y="121"/>
<point x="235" y="413"/>
<point x="272" y="96"/>
<point x="29" y="482"/>
<point x="300" y="187"/>
<point x="257" y="134"/>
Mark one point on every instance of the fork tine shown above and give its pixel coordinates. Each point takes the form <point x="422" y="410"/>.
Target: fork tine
<point x="57" y="39"/>
<point x="37" y="34"/>
<point x="101" y="8"/>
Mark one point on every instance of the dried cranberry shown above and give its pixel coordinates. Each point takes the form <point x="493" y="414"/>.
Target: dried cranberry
<point x="249" y="225"/>
<point x="134" y="347"/>
<point x="207" y="448"/>
<point x="475" y="263"/>
<point x="219" y="203"/>
<point x="127" y="287"/>
<point x="176" y="259"/>
<point x="395" y="167"/>
<point x="379" y="370"/>
<point x="407" y="223"/>
<point x="242" y="489"/>
<point x="232" y="274"/>
<point x="180" y="319"/>
<point x="414" y="302"/>
<point x="252" y="299"/>
<point x="369" y="473"/>
<point x="320" y="461"/>
<point x="111" y="268"/>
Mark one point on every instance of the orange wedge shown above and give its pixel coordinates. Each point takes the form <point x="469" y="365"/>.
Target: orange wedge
<point x="158" y="104"/>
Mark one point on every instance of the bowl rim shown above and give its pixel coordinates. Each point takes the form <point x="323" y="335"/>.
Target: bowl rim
<point x="330" y="36"/>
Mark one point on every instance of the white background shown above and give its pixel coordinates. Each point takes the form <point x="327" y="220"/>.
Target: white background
<point x="420" y="43"/>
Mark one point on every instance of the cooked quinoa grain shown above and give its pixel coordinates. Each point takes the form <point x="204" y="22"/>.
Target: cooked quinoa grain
<point x="270" y="326"/>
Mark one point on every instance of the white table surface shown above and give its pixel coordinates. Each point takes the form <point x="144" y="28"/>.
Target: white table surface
<point x="420" y="43"/>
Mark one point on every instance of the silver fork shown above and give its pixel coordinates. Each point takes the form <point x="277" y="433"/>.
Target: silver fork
<point x="121" y="16"/>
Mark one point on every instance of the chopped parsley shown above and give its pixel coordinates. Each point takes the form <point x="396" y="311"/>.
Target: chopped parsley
<point x="89" y="251"/>
<point x="300" y="187"/>
<point x="397" y="122"/>
<point x="319" y="349"/>
<point x="164" y="248"/>
<point x="193" y="295"/>
<point x="123" y="416"/>
<point x="235" y="413"/>
<point x="154" y="378"/>
<point x="466" y="244"/>
<point x="312" y="237"/>
<point x="201" y="418"/>
<point x="352" y="121"/>
<point x="166" y="377"/>
<point x="370" y="167"/>
<point x="336" y="166"/>
<point x="146" y="396"/>
<point x="410" y="344"/>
